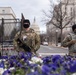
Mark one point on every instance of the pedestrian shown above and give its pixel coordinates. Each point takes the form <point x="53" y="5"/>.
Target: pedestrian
<point x="70" y="41"/>
<point x="28" y="37"/>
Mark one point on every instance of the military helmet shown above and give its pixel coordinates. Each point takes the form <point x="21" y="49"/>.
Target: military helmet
<point x="26" y="23"/>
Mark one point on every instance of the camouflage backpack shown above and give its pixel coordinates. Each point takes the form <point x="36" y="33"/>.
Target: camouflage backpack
<point x="73" y="37"/>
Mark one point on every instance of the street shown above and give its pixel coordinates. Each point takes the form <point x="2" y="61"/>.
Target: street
<point x="43" y="51"/>
<point x="51" y="50"/>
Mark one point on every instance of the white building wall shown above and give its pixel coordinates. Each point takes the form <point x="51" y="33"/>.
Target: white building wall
<point x="35" y="27"/>
<point x="7" y="13"/>
<point x="70" y="10"/>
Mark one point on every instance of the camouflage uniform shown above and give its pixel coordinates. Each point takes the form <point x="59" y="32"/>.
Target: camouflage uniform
<point x="71" y="47"/>
<point x="30" y="38"/>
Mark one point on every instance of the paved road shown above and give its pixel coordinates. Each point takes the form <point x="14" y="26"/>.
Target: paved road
<point x="44" y="51"/>
<point x="51" y="50"/>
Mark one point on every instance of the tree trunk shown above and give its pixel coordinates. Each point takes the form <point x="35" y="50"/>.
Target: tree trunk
<point x="61" y="36"/>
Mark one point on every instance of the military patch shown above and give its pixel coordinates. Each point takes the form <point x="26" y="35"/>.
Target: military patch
<point x="24" y="37"/>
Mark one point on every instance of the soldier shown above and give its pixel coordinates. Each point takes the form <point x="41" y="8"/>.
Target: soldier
<point x="29" y="37"/>
<point x="70" y="41"/>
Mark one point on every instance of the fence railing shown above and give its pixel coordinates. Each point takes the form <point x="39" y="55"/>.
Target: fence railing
<point x="8" y="29"/>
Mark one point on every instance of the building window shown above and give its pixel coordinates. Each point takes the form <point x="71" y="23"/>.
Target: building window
<point x="3" y="11"/>
<point x="65" y="10"/>
<point x="71" y="11"/>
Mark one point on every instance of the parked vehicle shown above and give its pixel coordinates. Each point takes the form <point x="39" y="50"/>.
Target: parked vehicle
<point x="45" y="43"/>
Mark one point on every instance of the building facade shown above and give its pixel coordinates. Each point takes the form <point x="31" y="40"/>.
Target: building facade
<point x="68" y="13"/>
<point x="35" y="27"/>
<point x="9" y="16"/>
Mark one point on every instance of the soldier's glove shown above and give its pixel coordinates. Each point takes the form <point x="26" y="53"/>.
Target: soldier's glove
<point x="19" y="42"/>
<point x="72" y="42"/>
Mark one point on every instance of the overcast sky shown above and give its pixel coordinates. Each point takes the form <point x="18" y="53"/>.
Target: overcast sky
<point x="29" y="8"/>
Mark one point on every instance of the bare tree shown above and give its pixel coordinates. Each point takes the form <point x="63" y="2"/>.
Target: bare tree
<point x="14" y="31"/>
<point x="60" y="17"/>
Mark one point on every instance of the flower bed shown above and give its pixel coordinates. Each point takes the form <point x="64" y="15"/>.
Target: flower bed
<point x="26" y="64"/>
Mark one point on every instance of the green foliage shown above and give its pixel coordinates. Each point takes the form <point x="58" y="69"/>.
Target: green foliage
<point x="19" y="71"/>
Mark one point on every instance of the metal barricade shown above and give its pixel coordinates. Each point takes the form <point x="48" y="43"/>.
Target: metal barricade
<point x="8" y="29"/>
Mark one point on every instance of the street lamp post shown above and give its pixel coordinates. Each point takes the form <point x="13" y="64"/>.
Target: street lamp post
<point x="56" y="37"/>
